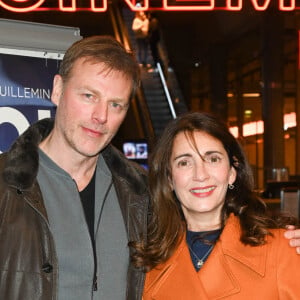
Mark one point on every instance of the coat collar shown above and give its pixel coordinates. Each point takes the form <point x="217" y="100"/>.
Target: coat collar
<point x="22" y="160"/>
<point x="218" y="265"/>
<point x="252" y="257"/>
<point x="216" y="279"/>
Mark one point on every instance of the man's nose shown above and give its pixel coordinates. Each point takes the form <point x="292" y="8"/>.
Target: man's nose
<point x="100" y="112"/>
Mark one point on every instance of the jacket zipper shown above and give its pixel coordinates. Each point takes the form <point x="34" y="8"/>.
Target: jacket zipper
<point x="95" y="283"/>
<point x="95" y="278"/>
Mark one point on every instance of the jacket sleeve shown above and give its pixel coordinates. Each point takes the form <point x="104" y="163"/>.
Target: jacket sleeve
<point x="288" y="269"/>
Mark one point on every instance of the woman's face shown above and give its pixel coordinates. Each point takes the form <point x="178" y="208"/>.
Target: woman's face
<point x="200" y="178"/>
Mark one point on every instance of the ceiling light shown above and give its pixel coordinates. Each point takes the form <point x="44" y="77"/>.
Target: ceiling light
<point x="251" y="95"/>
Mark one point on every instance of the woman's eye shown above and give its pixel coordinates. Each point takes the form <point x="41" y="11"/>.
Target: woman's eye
<point x="183" y="163"/>
<point x="213" y="159"/>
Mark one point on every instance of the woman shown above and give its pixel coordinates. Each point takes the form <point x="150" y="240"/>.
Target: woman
<point x="210" y="237"/>
<point x="140" y="27"/>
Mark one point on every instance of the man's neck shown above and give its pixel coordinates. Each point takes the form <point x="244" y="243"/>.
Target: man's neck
<point x="79" y="167"/>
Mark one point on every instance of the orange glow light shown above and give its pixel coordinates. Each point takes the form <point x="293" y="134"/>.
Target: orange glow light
<point x="253" y="128"/>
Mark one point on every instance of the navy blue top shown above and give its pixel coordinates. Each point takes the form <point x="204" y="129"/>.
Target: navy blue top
<point x="201" y="244"/>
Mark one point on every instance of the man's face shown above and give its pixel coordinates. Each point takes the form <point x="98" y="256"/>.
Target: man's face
<point x="91" y="106"/>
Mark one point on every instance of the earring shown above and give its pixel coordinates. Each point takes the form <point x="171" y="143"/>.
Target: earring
<point x="231" y="186"/>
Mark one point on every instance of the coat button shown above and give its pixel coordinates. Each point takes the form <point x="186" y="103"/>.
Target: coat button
<point x="19" y="192"/>
<point x="47" y="268"/>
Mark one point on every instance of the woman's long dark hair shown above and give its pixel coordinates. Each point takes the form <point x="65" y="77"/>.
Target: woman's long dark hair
<point x="167" y="223"/>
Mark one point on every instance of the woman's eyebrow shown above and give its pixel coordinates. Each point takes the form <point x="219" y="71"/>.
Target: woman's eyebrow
<point x="182" y="155"/>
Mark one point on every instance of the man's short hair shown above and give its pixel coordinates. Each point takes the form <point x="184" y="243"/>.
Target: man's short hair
<point x="102" y="49"/>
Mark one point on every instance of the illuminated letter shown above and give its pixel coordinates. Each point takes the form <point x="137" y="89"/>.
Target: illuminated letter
<point x="210" y="6"/>
<point x="31" y="7"/>
<point x="229" y="6"/>
<point x="261" y="8"/>
<point x="99" y="9"/>
<point x="73" y="7"/>
<point x="70" y="8"/>
<point x="287" y="8"/>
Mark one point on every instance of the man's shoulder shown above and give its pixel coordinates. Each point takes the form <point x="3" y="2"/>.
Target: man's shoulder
<point x="20" y="164"/>
<point x="116" y="158"/>
<point x="3" y="158"/>
<point x="122" y="167"/>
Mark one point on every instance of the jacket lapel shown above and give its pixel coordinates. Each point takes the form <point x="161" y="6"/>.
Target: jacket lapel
<point x="175" y="279"/>
<point x="217" y="275"/>
<point x="217" y="279"/>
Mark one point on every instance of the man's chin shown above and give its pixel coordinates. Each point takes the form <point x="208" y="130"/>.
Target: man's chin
<point x="92" y="152"/>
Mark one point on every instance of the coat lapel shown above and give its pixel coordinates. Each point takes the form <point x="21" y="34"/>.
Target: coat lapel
<point x="176" y="279"/>
<point x="218" y="279"/>
<point x="217" y="274"/>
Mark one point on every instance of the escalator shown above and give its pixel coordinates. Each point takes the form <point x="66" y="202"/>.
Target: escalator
<point x="161" y="97"/>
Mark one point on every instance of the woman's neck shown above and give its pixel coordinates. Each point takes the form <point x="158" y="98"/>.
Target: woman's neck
<point x="203" y="227"/>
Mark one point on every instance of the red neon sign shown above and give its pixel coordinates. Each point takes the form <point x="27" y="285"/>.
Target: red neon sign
<point x="22" y="6"/>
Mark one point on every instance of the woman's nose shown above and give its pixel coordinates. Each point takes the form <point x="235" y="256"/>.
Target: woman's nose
<point x="200" y="171"/>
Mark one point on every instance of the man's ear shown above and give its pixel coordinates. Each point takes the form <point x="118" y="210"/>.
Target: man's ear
<point x="57" y="89"/>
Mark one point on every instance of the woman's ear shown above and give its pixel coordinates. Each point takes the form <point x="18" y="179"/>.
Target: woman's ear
<point x="232" y="175"/>
<point x="170" y="183"/>
<point x="57" y="89"/>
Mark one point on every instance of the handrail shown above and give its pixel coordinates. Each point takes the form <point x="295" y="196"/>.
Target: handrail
<point x="166" y="90"/>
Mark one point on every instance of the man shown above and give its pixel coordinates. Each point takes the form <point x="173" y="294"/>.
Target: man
<point x="69" y="201"/>
<point x="294" y="237"/>
<point x="154" y="38"/>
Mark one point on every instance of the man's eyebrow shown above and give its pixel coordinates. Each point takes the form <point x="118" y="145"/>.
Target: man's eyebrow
<point x="87" y="88"/>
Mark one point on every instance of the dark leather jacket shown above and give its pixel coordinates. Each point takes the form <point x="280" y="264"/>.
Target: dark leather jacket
<point x="28" y="262"/>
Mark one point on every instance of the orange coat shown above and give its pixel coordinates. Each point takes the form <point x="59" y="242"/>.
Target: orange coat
<point x="232" y="271"/>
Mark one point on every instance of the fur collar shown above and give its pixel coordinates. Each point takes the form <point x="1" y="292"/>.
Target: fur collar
<point x="22" y="160"/>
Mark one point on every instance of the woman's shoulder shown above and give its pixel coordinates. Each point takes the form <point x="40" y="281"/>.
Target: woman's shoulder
<point x="277" y="236"/>
<point x="281" y="248"/>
